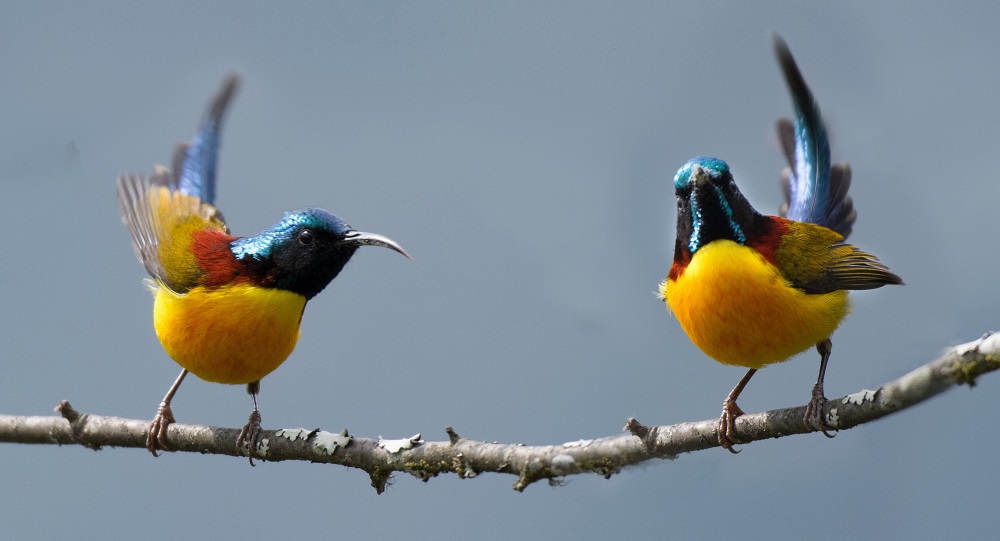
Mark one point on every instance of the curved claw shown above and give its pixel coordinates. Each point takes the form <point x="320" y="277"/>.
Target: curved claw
<point x="814" y="418"/>
<point x="249" y="435"/>
<point x="727" y="426"/>
<point x="156" y="438"/>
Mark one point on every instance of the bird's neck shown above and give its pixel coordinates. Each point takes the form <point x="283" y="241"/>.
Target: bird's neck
<point x="763" y="234"/>
<point x="215" y="258"/>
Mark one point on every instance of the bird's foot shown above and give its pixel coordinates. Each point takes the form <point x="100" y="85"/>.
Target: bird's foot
<point x="814" y="418"/>
<point x="727" y="426"/>
<point x="156" y="438"/>
<point x="249" y="435"/>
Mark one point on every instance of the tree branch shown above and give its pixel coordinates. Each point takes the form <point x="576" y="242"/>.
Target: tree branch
<point x="468" y="458"/>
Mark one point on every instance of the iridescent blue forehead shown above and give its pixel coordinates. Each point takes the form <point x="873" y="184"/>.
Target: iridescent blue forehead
<point x="713" y="166"/>
<point x="260" y="246"/>
<point x="315" y="219"/>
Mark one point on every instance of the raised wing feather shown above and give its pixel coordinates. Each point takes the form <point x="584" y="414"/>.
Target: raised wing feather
<point x="161" y="221"/>
<point x="162" y="211"/>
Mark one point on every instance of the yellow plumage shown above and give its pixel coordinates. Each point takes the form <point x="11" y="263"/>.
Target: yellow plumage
<point x="233" y="334"/>
<point x="740" y="310"/>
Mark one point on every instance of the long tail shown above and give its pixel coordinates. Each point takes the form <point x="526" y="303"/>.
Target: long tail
<point x="815" y="191"/>
<point x="195" y="162"/>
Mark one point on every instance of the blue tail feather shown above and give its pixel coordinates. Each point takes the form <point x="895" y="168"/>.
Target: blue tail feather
<point x="199" y="158"/>
<point x="815" y="191"/>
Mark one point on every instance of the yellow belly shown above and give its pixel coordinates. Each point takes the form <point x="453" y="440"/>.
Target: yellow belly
<point x="739" y="310"/>
<point x="234" y="334"/>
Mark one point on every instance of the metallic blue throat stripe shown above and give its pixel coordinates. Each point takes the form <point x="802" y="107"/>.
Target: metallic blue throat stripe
<point x="696" y="220"/>
<point x="695" y="241"/>
<point x="728" y="210"/>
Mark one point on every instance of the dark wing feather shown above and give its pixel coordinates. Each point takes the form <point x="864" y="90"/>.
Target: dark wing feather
<point x="133" y="205"/>
<point x="849" y="268"/>
<point x="854" y="269"/>
<point x="817" y="260"/>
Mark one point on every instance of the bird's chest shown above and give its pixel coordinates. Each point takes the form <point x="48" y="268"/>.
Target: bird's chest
<point x="737" y="307"/>
<point x="233" y="334"/>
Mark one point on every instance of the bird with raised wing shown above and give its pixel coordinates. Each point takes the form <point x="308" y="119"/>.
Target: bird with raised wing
<point x="752" y="290"/>
<point x="226" y="308"/>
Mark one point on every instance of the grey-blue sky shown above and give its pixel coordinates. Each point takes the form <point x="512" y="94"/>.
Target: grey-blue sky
<point x="522" y="153"/>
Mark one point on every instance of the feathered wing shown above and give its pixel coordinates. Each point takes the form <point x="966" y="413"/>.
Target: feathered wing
<point x="817" y="260"/>
<point x="162" y="211"/>
<point x="161" y="221"/>
<point x="851" y="268"/>
<point x="815" y="191"/>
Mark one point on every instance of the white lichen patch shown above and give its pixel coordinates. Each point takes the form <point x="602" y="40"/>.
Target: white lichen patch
<point x="260" y="450"/>
<point x="395" y="446"/>
<point x="577" y="443"/>
<point x="833" y="418"/>
<point x="293" y="434"/>
<point x="860" y="397"/>
<point x="329" y="442"/>
<point x="989" y="343"/>
<point x="563" y="464"/>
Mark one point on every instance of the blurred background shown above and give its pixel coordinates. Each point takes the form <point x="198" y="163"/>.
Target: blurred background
<point x="523" y="153"/>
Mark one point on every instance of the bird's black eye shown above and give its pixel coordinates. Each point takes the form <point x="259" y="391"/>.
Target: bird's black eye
<point x="306" y="237"/>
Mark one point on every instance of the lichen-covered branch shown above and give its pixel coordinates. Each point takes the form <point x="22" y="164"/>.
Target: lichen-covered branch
<point x="469" y="458"/>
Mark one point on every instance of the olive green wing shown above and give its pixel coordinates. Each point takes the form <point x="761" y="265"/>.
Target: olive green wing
<point x="161" y="221"/>
<point x="817" y="260"/>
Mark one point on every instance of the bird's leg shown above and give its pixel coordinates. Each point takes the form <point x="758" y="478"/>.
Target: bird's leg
<point x="814" y="418"/>
<point x="730" y="411"/>
<point x="156" y="438"/>
<point x="251" y="430"/>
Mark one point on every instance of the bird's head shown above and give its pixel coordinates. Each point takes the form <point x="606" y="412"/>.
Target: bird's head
<point x="710" y="206"/>
<point x="305" y="250"/>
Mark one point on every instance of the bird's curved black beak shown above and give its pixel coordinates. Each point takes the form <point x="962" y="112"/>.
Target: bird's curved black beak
<point x="374" y="239"/>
